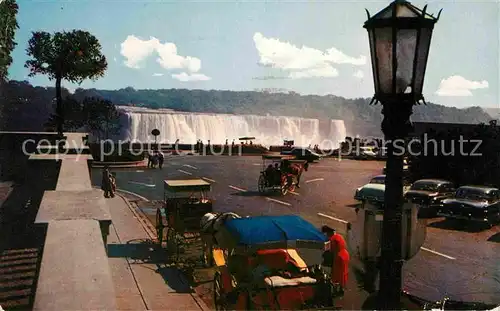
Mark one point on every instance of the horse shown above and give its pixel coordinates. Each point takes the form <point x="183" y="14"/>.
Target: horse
<point x="212" y="222"/>
<point x="296" y="170"/>
<point x="210" y="225"/>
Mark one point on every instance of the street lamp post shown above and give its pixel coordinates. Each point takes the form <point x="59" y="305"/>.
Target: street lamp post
<point x="400" y="37"/>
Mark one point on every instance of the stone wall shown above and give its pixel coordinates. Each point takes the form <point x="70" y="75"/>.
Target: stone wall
<point x="13" y="160"/>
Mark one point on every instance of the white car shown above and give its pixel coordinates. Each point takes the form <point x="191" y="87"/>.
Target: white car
<point x="374" y="190"/>
<point x="366" y="153"/>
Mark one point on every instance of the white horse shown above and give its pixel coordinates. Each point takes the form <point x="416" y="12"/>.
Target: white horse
<point x="212" y="222"/>
<point x="210" y="225"/>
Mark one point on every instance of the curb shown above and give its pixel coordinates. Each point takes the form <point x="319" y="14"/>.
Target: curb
<point x="142" y="163"/>
<point x="138" y="196"/>
<point x="148" y="229"/>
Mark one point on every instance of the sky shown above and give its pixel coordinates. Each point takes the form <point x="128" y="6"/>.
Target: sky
<point x="309" y="47"/>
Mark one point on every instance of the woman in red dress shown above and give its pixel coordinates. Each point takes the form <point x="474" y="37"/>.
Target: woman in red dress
<point x="339" y="258"/>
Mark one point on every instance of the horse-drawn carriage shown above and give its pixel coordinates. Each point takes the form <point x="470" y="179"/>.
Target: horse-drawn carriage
<point x="271" y="263"/>
<point x="185" y="203"/>
<point x="280" y="173"/>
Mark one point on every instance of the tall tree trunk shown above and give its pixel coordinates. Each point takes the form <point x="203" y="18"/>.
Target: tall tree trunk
<point x="59" y="106"/>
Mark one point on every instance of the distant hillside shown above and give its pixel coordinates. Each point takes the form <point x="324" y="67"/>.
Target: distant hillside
<point x="26" y="107"/>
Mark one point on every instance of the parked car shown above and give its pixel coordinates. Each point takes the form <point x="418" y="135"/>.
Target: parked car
<point x="374" y="190"/>
<point x="365" y="153"/>
<point x="406" y="169"/>
<point x="429" y="194"/>
<point x="303" y="154"/>
<point x="473" y="203"/>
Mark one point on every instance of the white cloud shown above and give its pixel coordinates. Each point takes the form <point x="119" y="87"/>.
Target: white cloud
<point x="301" y="62"/>
<point x="185" y="77"/>
<point x="320" y="72"/>
<point x="359" y="74"/>
<point x="157" y="74"/>
<point x="136" y="51"/>
<point x="459" y="86"/>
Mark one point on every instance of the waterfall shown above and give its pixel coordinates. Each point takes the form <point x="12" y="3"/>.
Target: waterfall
<point x="189" y="127"/>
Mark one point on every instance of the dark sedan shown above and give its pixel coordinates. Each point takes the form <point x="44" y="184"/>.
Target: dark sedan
<point x="303" y="154"/>
<point x="429" y="195"/>
<point x="473" y="203"/>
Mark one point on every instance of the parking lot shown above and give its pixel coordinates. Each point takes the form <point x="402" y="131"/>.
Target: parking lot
<point x="459" y="262"/>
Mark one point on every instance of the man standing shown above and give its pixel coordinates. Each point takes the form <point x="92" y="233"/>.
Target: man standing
<point x="161" y="158"/>
<point x="106" y="184"/>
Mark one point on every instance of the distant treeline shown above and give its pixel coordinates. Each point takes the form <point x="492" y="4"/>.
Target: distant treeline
<point x="465" y="156"/>
<point x="28" y="108"/>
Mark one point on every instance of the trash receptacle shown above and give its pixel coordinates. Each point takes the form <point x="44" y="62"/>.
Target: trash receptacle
<point x="366" y="238"/>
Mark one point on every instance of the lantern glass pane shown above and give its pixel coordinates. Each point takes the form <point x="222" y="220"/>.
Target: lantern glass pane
<point x="383" y="42"/>
<point x="406" y="48"/>
<point x="422" y="55"/>
<point x="402" y="10"/>
<point x="371" y="36"/>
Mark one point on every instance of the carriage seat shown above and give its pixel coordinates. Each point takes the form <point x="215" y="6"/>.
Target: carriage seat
<point x="281" y="259"/>
<point x="278" y="281"/>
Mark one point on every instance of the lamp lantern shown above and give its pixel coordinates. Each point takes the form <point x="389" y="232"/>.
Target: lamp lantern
<point x="400" y="38"/>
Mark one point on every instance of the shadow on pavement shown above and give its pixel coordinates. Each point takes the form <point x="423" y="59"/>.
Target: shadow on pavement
<point x="147" y="252"/>
<point x="495" y="238"/>
<point x="371" y="303"/>
<point x="448" y="224"/>
<point x="175" y="279"/>
<point x="142" y="250"/>
<point x="366" y="278"/>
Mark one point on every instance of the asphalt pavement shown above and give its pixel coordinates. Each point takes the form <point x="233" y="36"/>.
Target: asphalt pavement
<point x="461" y="263"/>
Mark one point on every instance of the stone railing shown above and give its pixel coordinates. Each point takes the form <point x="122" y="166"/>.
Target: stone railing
<point x="74" y="273"/>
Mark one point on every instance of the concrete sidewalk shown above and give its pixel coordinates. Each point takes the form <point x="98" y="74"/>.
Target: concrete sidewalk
<point x="142" y="279"/>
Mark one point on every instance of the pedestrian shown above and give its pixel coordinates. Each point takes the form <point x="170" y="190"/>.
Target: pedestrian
<point x="112" y="177"/>
<point x="154" y="159"/>
<point x="161" y="158"/>
<point x="106" y="184"/>
<point x="339" y="258"/>
<point x="149" y="159"/>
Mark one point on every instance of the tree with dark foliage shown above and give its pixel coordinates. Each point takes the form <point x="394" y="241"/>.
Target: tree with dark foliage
<point x="73" y="112"/>
<point x="73" y="56"/>
<point x="95" y="115"/>
<point x="8" y="27"/>
<point x="102" y="119"/>
<point x="461" y="156"/>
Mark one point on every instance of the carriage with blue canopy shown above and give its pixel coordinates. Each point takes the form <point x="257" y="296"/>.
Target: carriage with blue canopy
<point x="271" y="263"/>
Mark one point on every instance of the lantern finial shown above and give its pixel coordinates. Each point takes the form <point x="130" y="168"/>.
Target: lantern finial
<point x="367" y="13"/>
<point x="424" y="10"/>
<point x="439" y="14"/>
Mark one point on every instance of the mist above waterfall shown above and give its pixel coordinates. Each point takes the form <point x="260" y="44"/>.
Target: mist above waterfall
<point x="189" y="127"/>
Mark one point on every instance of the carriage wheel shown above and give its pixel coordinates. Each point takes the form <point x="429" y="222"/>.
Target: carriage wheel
<point x="208" y="258"/>
<point x="262" y="183"/>
<point x="291" y="184"/>
<point x="159" y="226"/>
<point x="172" y="245"/>
<point x="219" y="299"/>
<point x="284" y="186"/>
